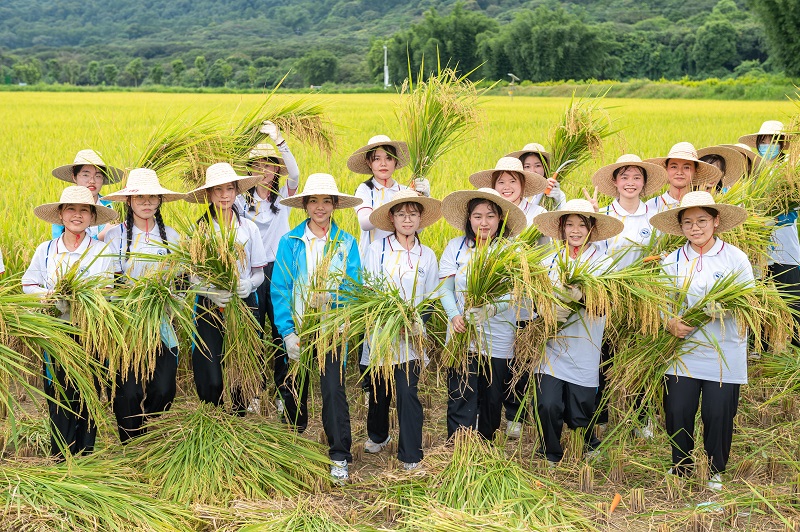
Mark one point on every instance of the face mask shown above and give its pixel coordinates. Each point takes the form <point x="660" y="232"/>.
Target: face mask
<point x="769" y="151"/>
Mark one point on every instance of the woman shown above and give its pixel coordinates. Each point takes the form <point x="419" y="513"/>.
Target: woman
<point x="516" y="185"/>
<point x="300" y="251"/>
<point x="143" y="232"/>
<point x="76" y="211"/>
<point x="219" y="192"/>
<point x="88" y="170"/>
<point x="486" y="218"/>
<point x="685" y="171"/>
<point x="261" y="205"/>
<point x="567" y="378"/>
<point x="411" y="267"/>
<point x="731" y="162"/>
<point x="712" y="365"/>
<point x="536" y="160"/>
<point x="628" y="180"/>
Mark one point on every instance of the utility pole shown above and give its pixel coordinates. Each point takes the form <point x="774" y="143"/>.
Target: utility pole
<point x="385" y="67"/>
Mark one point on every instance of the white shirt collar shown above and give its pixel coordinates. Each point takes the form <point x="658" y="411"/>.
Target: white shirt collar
<point x="715" y="250"/>
<point x="621" y="211"/>
<point x="395" y="245"/>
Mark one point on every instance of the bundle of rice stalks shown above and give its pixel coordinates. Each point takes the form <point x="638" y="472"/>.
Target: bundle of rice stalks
<point x="205" y="455"/>
<point x="154" y="306"/>
<point x="306" y="516"/>
<point x="84" y="495"/>
<point x="437" y="115"/>
<point x="215" y="257"/>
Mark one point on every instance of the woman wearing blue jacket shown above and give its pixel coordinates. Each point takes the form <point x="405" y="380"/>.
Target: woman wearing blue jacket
<point x="299" y="254"/>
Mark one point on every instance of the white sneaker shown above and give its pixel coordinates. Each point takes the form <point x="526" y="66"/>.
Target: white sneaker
<point x="716" y="482"/>
<point x="279" y="406"/>
<point x="366" y="399"/>
<point x="645" y="432"/>
<point x="514" y="430"/>
<point x="410" y="466"/>
<point x="339" y="471"/>
<point x="255" y="406"/>
<point x="372" y="447"/>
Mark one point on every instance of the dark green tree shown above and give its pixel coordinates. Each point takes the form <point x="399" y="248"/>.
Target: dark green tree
<point x="157" y="73"/>
<point x="781" y="19"/>
<point x="178" y="68"/>
<point x="136" y="70"/>
<point x="110" y="73"/>
<point x="317" y="67"/>
<point x="200" y="66"/>
<point x="93" y="71"/>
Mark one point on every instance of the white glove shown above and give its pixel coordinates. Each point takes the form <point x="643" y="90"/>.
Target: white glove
<point x="555" y="189"/>
<point x="292" y="344"/>
<point x="319" y="299"/>
<point x="714" y="310"/>
<point x="568" y="293"/>
<point x="562" y="313"/>
<point x="244" y="288"/>
<point x="62" y="305"/>
<point x="480" y="315"/>
<point x="268" y="128"/>
<point x="218" y="297"/>
<point x="423" y="187"/>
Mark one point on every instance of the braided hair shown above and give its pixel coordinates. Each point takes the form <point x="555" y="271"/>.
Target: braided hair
<point x="272" y="197"/>
<point x="129" y="221"/>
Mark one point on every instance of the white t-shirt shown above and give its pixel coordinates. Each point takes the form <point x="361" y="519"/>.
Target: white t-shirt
<point x="247" y="234"/>
<point x="498" y="332"/>
<point x="664" y="202"/>
<point x="52" y="259"/>
<point x="142" y="243"/>
<point x="531" y="210"/>
<point x="574" y="355"/>
<point x="785" y="247"/>
<point x="374" y="198"/>
<point x="271" y="225"/>
<point x="636" y="232"/>
<point x="699" y="358"/>
<point x="415" y="272"/>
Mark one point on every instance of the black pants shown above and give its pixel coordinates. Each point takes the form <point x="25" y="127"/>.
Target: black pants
<point x="136" y="401"/>
<point x="717" y="410"/>
<point x="514" y="400"/>
<point x="72" y="428"/>
<point x="560" y="402"/>
<point x="207" y="359"/>
<point x="481" y="390"/>
<point x="277" y="357"/>
<point x="335" y="410"/>
<point x="409" y="411"/>
<point x="787" y="279"/>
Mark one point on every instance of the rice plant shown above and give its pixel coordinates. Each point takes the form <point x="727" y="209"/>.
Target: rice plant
<point x="306" y="516"/>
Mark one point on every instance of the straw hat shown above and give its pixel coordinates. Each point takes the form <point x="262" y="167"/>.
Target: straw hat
<point x="91" y="157"/>
<point x="706" y="173"/>
<point x="605" y="228"/>
<point x="220" y="174"/>
<point x="78" y="196"/>
<point x="735" y="166"/>
<point x="730" y="216"/>
<point x="747" y="151"/>
<point x="321" y="185"/>
<point x="532" y="147"/>
<point x="603" y="179"/>
<point x="358" y="161"/>
<point x="432" y="210"/>
<point x="534" y="183"/>
<point x="268" y="151"/>
<point x="454" y="209"/>
<point x="144" y="182"/>
<point x="770" y="127"/>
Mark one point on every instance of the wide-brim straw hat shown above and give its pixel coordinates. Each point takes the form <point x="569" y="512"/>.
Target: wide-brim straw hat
<point x="534" y="183"/>
<point x="747" y="151"/>
<point x="321" y="185"/>
<point x="773" y="128"/>
<point x="431" y="210"/>
<point x="735" y="163"/>
<point x="730" y="216"/>
<point x="454" y="209"/>
<point x="358" y="161"/>
<point x="267" y="151"/>
<point x="706" y="173"/>
<point x="533" y="147"/>
<point x="49" y="212"/>
<point x="90" y="157"/>
<point x="144" y="182"/>
<point x="603" y="178"/>
<point x="605" y="226"/>
<point x="220" y="174"/>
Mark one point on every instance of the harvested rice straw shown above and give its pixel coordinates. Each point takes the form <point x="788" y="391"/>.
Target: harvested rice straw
<point x="307" y="515"/>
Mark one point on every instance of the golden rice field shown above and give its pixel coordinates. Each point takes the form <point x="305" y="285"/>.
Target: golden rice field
<point x="40" y="131"/>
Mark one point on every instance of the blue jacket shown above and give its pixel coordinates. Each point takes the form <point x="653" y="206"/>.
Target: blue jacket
<point x="290" y="273"/>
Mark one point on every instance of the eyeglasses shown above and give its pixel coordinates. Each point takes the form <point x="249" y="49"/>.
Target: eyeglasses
<point x="406" y="216"/>
<point x="702" y="223"/>
<point x="140" y="198"/>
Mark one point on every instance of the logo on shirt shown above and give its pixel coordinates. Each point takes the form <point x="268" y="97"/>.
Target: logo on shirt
<point x="718" y="276"/>
<point x="644" y="232"/>
<point x="161" y="251"/>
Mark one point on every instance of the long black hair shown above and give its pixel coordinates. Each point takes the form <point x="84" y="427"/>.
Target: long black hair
<point x="589" y="221"/>
<point x="272" y="197"/>
<point x="129" y="221"/>
<point x="368" y="156"/>
<point x="502" y="227"/>
<point x="211" y="213"/>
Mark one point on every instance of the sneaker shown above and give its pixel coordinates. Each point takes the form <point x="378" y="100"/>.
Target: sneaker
<point x="591" y="454"/>
<point x="372" y="447"/>
<point x="514" y="430"/>
<point x="366" y="398"/>
<point x="410" y="466"/>
<point x="551" y="464"/>
<point x="279" y="406"/>
<point x="255" y="406"/>
<point x="339" y="472"/>
<point x="644" y="432"/>
<point x="715" y="483"/>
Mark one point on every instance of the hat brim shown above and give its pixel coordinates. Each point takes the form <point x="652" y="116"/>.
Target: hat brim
<point x="730" y="216"/>
<point x="735" y="166"/>
<point x="49" y="213"/>
<point x="519" y="153"/>
<point x="358" y="162"/>
<point x="346" y="201"/>
<point x="603" y="178"/>
<point x="431" y="211"/>
<point x="243" y="184"/>
<point x="454" y="210"/>
<point x="534" y="183"/>
<point x="755" y="159"/>
<point x="752" y="139"/>
<point x="605" y="226"/>
<point x="706" y="173"/>
<point x="280" y="163"/>
<point x="111" y="174"/>
<point x="166" y="194"/>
